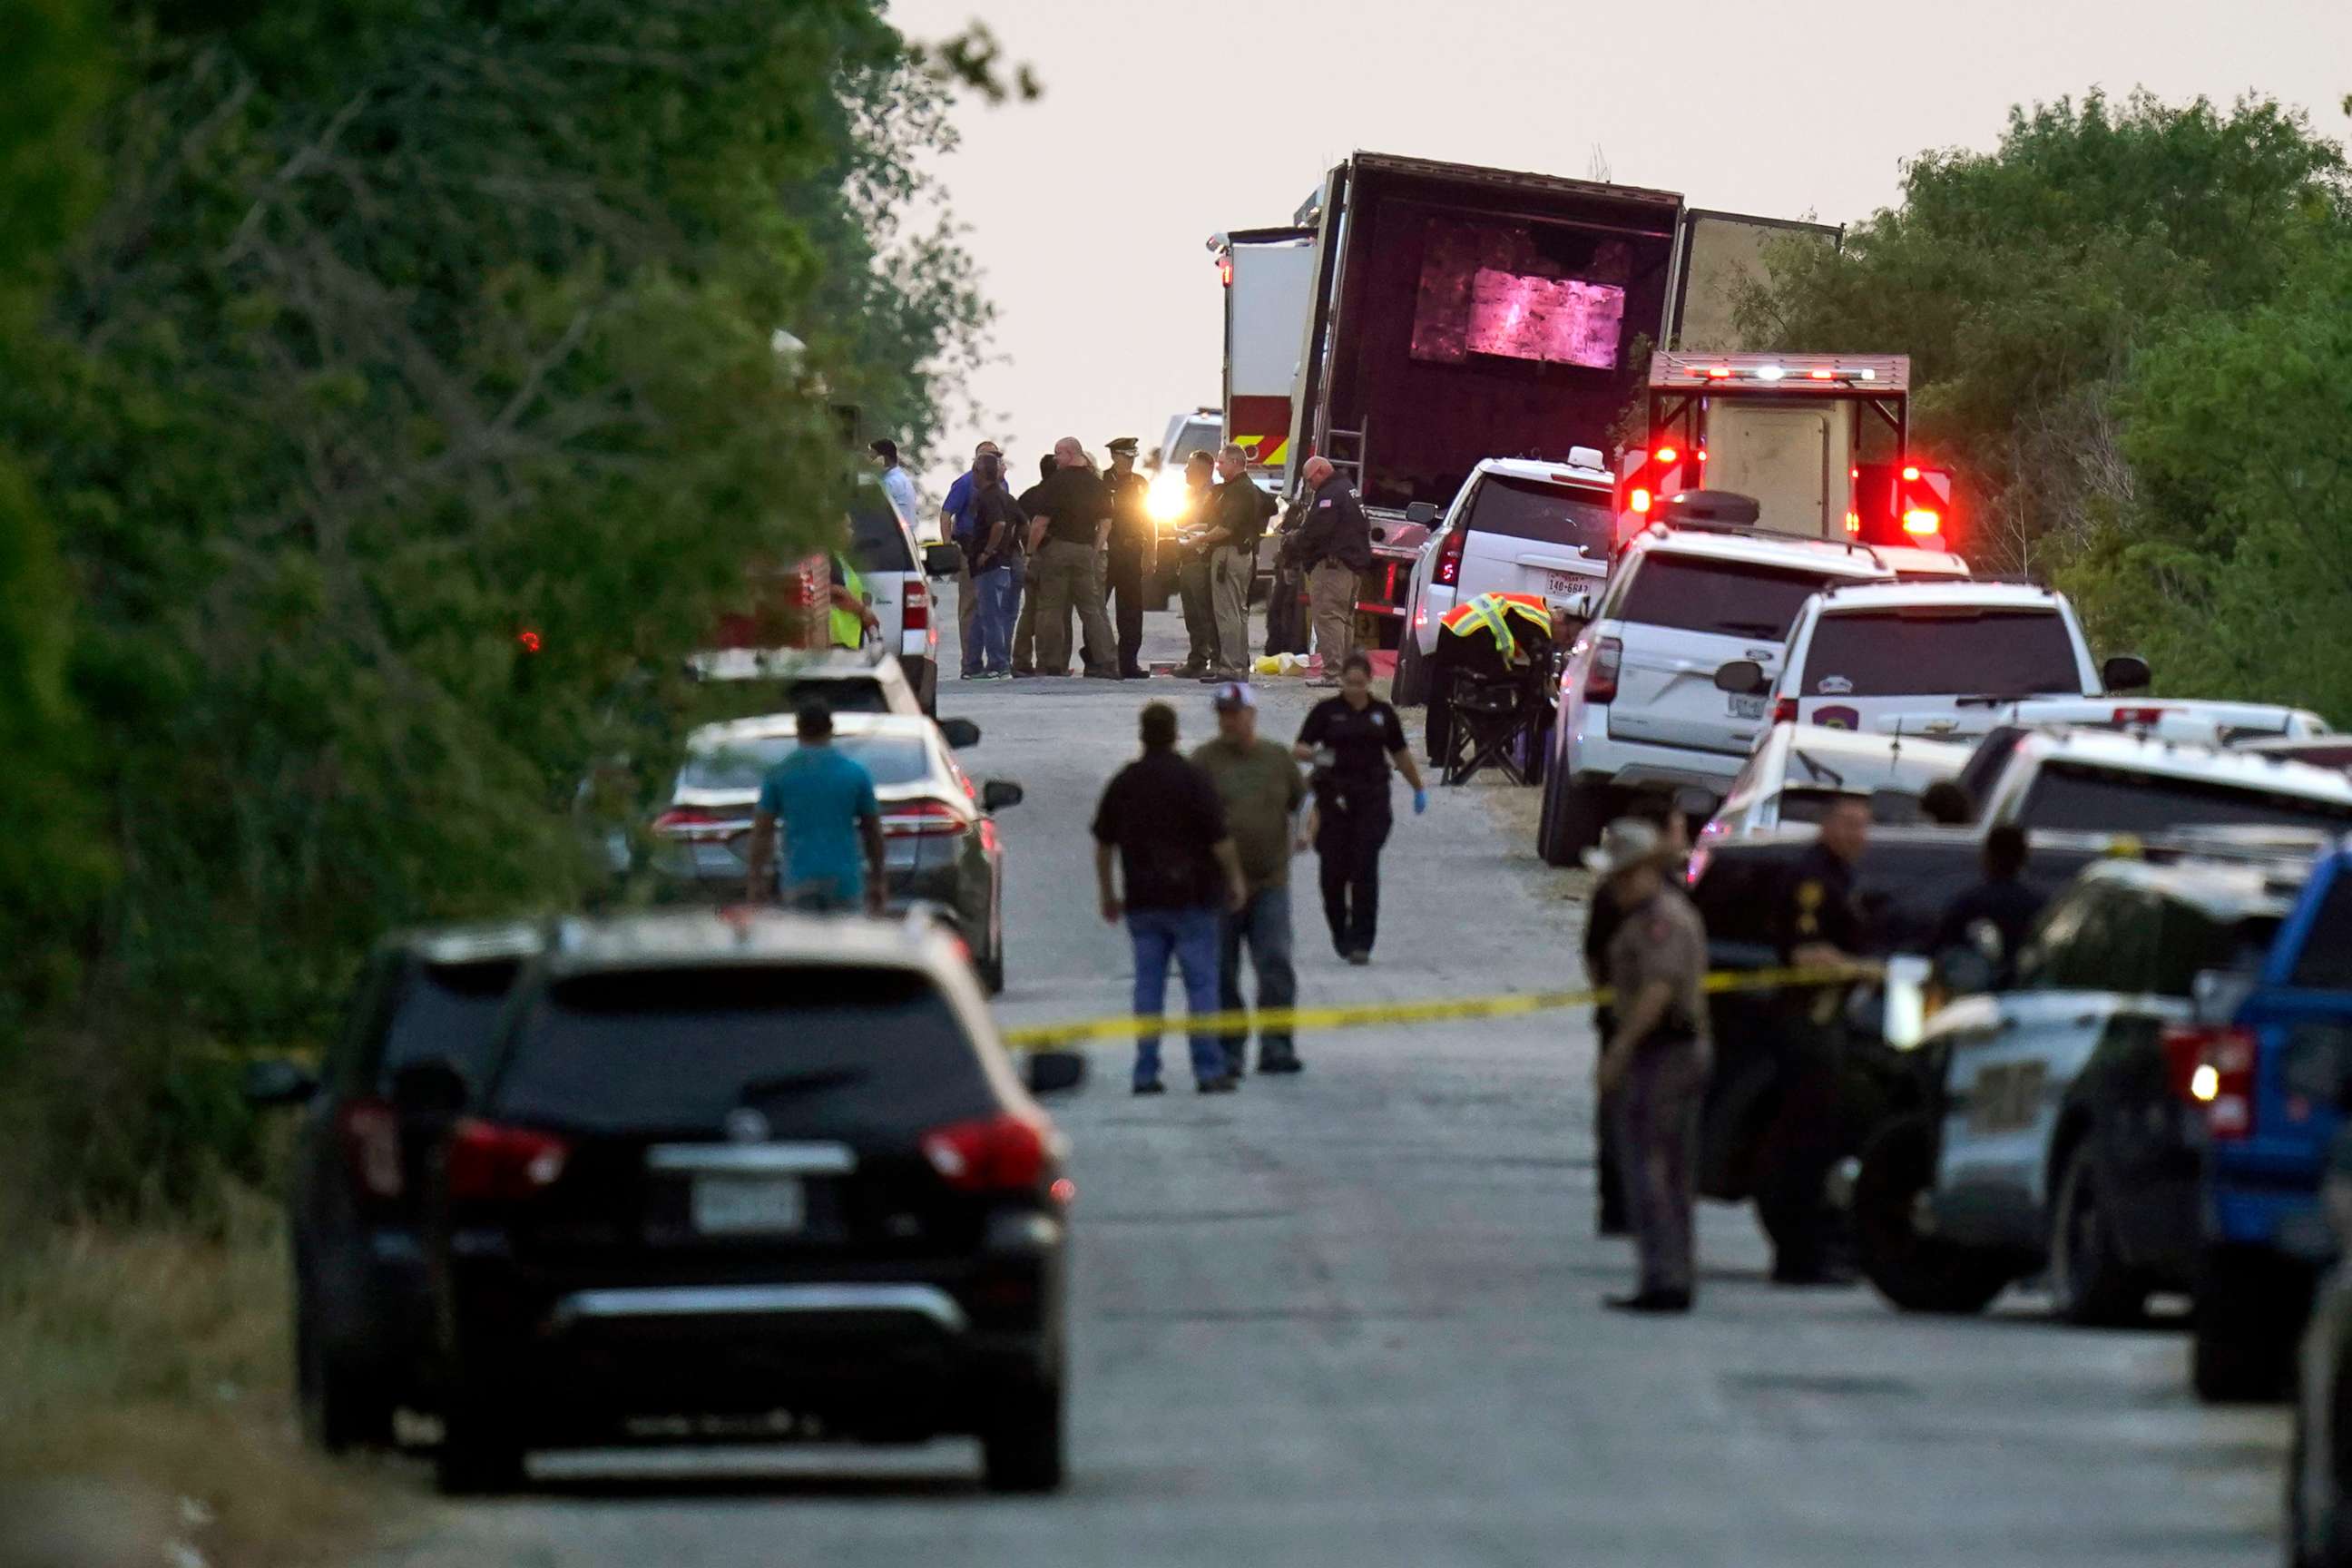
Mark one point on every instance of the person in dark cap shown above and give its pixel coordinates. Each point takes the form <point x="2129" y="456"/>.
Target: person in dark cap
<point x="1259" y="782"/>
<point x="1131" y="542"/>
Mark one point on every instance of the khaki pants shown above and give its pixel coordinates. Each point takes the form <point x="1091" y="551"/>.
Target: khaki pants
<point x="1063" y="577"/>
<point x="1657" y="1151"/>
<point x="1332" y="599"/>
<point x="1230" y="566"/>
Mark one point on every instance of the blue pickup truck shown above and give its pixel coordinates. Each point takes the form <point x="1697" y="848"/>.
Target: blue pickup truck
<point x="2273" y="1078"/>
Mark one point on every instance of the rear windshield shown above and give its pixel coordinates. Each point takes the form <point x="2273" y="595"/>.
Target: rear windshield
<point x="1730" y="598"/>
<point x="878" y="540"/>
<point x="445" y="1012"/>
<point x="2326" y="961"/>
<point x="1940" y="648"/>
<point x="740" y="765"/>
<point x="819" y="1049"/>
<point x="1553" y="514"/>
<point x="2071" y="798"/>
<point x="719" y="701"/>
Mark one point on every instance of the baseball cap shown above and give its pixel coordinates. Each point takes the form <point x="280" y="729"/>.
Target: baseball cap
<point x="1232" y="696"/>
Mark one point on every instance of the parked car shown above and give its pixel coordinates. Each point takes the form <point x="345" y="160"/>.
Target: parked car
<point x="1639" y="707"/>
<point x="2204" y="721"/>
<point x="2065" y="1135"/>
<point x="2271" y="1056"/>
<point x="897" y="573"/>
<point x="766" y="1170"/>
<point x="941" y="844"/>
<point x="1516" y="527"/>
<point x="1799" y="770"/>
<point x="363" y="1308"/>
<point x="2319" y="1467"/>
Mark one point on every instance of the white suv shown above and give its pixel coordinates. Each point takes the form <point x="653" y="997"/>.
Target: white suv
<point x="1942" y="659"/>
<point x="1639" y="707"/>
<point x="897" y="571"/>
<point x="1518" y="526"/>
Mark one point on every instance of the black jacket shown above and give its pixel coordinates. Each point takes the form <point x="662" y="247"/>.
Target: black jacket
<point x="1238" y="511"/>
<point x="1335" y="529"/>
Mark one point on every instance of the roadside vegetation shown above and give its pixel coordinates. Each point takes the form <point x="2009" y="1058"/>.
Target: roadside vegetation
<point x="2127" y="333"/>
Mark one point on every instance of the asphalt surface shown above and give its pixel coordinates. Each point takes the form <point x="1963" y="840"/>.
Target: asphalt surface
<point x="1354" y="1317"/>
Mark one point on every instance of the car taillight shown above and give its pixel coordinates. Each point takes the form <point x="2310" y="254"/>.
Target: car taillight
<point x="916" y="607"/>
<point x="695" y="822"/>
<point x="920" y="819"/>
<point x="1448" y="570"/>
<point x="2138" y="716"/>
<point x="1600" y="680"/>
<point x="486" y="1162"/>
<point x="370" y="1132"/>
<point x="1784" y="711"/>
<point x="1639" y="500"/>
<point x="2213" y="1067"/>
<point x="995" y="1154"/>
<point x="1921" y="519"/>
<point x="1697" y="866"/>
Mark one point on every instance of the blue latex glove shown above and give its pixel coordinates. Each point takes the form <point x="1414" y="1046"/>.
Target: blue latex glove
<point x="1420" y="803"/>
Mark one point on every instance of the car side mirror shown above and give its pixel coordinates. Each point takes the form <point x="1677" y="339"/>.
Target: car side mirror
<point x="960" y="733"/>
<point x="278" y="1083"/>
<point x="942" y="560"/>
<point x="1054" y="1072"/>
<point x="2126" y="672"/>
<point x="1580" y="606"/>
<point x="1422" y="512"/>
<point x="1741" y="677"/>
<point x="433" y="1088"/>
<point x="998" y="794"/>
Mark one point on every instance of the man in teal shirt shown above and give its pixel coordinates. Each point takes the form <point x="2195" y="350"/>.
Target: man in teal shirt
<point x="832" y="824"/>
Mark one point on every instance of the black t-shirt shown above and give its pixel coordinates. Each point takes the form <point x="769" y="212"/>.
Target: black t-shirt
<point x="1237" y="510"/>
<point x="1166" y="819"/>
<point x="2010" y="906"/>
<point x="1360" y="741"/>
<point x="1076" y="502"/>
<point x="990" y="508"/>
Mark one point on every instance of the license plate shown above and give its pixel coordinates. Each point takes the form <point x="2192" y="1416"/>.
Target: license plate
<point x="1565" y="585"/>
<point x="1746" y="707"/>
<point x="747" y="1205"/>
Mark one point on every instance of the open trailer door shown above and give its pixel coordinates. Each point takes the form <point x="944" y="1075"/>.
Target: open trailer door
<point x="1719" y="255"/>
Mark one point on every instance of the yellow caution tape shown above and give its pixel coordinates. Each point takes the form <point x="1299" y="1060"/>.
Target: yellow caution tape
<point x="1510" y="1004"/>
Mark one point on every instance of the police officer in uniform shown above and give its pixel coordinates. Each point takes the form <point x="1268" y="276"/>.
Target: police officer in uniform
<point x="1131" y="543"/>
<point x="1817" y="925"/>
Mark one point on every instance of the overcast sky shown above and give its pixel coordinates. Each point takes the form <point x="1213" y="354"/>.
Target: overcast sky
<point x="1164" y="122"/>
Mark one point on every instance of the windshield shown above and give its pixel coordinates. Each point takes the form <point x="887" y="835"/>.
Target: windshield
<point x="816" y="1049"/>
<point x="1928" y="650"/>
<point x="1554" y="514"/>
<point x="1197" y="436"/>
<point x="718" y="702"/>
<point x="2069" y="796"/>
<point x="1730" y="598"/>
<point x="738" y="765"/>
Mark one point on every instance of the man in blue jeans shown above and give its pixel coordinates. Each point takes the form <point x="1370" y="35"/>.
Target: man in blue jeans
<point x="1258" y="781"/>
<point x="1162" y="820"/>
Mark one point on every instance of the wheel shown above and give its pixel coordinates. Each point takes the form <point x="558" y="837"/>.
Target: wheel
<point x="1915" y="1271"/>
<point x="1573" y="816"/>
<point x="343" y="1403"/>
<point x="1411" y="687"/>
<point x="1022" y="1447"/>
<point x="2090" y="1284"/>
<point x="481" y="1452"/>
<point x="2241" y="1341"/>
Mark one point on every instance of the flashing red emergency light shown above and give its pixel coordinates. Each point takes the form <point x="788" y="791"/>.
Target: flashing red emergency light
<point x="1667" y="454"/>
<point x="1911" y="473"/>
<point x="528" y="640"/>
<point x="1921" y="519"/>
<point x="1640" y="500"/>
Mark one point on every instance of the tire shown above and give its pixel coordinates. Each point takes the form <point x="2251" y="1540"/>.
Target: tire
<point x="1022" y="1445"/>
<point x="1411" y="687"/>
<point x="1916" y="1272"/>
<point x="1573" y="816"/>
<point x="2091" y="1286"/>
<point x="992" y="972"/>
<point x="2241" y="1334"/>
<point x="343" y="1405"/>
<point x="481" y="1453"/>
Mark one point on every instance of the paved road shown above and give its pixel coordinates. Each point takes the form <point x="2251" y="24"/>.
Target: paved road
<point x="1352" y="1318"/>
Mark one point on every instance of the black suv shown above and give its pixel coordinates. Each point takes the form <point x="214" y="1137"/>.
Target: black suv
<point x="363" y="1308"/>
<point x="764" y="1174"/>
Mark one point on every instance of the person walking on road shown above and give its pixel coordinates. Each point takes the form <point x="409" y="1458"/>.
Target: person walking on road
<point x="1068" y="528"/>
<point x="1238" y="512"/>
<point x="1816" y="926"/>
<point x="1604" y="917"/>
<point x="1258" y="781"/>
<point x="1162" y="820"/>
<point x="1654" y="1066"/>
<point x="997" y="564"/>
<point x="1335" y="546"/>
<point x="1131" y="544"/>
<point x="1352" y="739"/>
<point x="1193" y="591"/>
<point x="955" y="527"/>
<point x="824" y="803"/>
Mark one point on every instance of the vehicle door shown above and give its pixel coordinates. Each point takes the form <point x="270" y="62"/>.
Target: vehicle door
<point x="1683" y="616"/>
<point x="882" y="548"/>
<point x="2300" y="1017"/>
<point x="1913" y="669"/>
<point x="1548" y="538"/>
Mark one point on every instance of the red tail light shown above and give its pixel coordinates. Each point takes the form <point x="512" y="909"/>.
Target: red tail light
<point x="997" y="1153"/>
<point x="2213" y="1067"/>
<point x="1639" y="500"/>
<point x="916" y="607"/>
<point x="1784" y="711"/>
<point x="696" y="822"/>
<point x="1697" y="866"/>
<point x="370" y="1132"/>
<point x="2139" y="716"/>
<point x="1448" y="570"/>
<point x="1600" y="680"/>
<point x="920" y="819"/>
<point x="486" y="1162"/>
<point x="1922" y="519"/>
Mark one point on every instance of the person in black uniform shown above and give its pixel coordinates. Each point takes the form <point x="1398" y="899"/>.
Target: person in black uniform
<point x="1817" y="925"/>
<point x="1602" y="917"/>
<point x="1352" y="739"/>
<point x="1024" y="629"/>
<point x="1131" y="542"/>
<point x="2001" y="906"/>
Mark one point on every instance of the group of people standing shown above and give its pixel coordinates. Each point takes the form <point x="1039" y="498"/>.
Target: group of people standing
<point x="1193" y="856"/>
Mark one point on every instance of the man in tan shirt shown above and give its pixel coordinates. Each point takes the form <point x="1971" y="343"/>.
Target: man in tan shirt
<point x="1655" y="1062"/>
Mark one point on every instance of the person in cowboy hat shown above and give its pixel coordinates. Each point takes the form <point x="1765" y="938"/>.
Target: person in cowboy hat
<point x="1654" y="1063"/>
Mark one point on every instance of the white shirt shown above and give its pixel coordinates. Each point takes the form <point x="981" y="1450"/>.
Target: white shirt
<point x="900" y="485"/>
